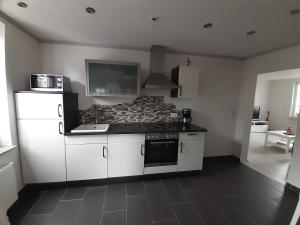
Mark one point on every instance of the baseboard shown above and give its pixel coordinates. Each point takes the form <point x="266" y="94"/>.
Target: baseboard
<point x="292" y="187"/>
<point x="222" y="158"/>
<point x="28" y="188"/>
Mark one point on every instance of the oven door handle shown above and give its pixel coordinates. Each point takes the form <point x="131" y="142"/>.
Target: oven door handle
<point x="162" y="142"/>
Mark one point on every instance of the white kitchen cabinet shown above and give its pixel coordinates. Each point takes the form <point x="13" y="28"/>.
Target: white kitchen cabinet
<point x="86" y="161"/>
<point x="39" y="106"/>
<point x="187" y="79"/>
<point x="42" y="150"/>
<point x="190" y="153"/>
<point x="126" y="155"/>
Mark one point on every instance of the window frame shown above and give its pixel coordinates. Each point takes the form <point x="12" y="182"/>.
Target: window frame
<point x="296" y="89"/>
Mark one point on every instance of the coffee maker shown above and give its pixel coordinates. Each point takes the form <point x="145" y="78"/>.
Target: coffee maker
<point x="186" y="117"/>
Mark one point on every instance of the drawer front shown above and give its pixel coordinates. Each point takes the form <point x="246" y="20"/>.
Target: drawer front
<point x="86" y="139"/>
<point x="191" y="135"/>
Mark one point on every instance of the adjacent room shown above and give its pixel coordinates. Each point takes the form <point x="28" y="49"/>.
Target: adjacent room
<point x="138" y="112"/>
<point x="274" y="124"/>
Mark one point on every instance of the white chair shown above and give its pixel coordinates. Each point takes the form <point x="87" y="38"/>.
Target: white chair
<point x="296" y="214"/>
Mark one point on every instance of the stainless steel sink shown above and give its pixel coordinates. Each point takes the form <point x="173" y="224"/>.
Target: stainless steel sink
<point x="90" y="128"/>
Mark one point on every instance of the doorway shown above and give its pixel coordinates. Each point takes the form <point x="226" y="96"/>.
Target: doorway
<point x="274" y="122"/>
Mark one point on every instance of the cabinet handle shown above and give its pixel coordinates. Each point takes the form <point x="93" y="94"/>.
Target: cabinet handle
<point x="180" y="90"/>
<point x="192" y="134"/>
<point x="181" y="147"/>
<point x="59" y="107"/>
<point x="142" y="146"/>
<point x="59" y="127"/>
<point x="103" y="152"/>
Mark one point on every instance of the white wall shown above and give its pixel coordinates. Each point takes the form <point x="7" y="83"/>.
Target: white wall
<point x="284" y="59"/>
<point x="214" y="109"/>
<point x="22" y="54"/>
<point x="70" y="61"/>
<point x="280" y="101"/>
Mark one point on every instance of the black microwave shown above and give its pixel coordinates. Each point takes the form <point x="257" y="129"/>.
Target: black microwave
<point x="50" y="82"/>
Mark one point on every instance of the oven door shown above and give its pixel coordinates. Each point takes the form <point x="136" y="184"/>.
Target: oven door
<point x="161" y="152"/>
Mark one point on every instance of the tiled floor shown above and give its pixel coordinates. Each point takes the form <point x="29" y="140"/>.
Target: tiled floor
<point x="227" y="193"/>
<point x="271" y="161"/>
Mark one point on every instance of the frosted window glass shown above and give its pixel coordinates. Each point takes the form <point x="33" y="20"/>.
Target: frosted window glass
<point x="112" y="79"/>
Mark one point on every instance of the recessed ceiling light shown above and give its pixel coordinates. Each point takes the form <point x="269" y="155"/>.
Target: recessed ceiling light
<point x="155" y="18"/>
<point x="294" y="11"/>
<point x="90" y="10"/>
<point x="22" y="4"/>
<point x="207" y="25"/>
<point x="251" y="32"/>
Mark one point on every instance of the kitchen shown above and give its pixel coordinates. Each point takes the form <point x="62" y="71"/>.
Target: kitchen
<point x="120" y="146"/>
<point x="146" y="136"/>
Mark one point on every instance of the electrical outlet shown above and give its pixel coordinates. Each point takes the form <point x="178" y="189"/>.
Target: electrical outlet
<point x="173" y="115"/>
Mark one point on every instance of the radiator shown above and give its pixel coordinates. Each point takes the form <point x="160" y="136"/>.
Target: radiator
<point x="8" y="185"/>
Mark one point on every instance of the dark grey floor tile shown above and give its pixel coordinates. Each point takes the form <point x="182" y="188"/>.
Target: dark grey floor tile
<point x="65" y="213"/>
<point x="174" y="191"/>
<point x="216" y="195"/>
<point x="210" y="213"/>
<point x="35" y="220"/>
<point x="166" y="222"/>
<point x="225" y="186"/>
<point x="138" y="212"/>
<point x="159" y="202"/>
<point x="252" y="208"/>
<point x="187" y="214"/>
<point x="187" y="182"/>
<point x="114" y="218"/>
<point x="237" y="217"/>
<point x="21" y="207"/>
<point x="135" y="188"/>
<point x="152" y="181"/>
<point x="91" y="207"/>
<point x="115" y="197"/>
<point x="74" y="193"/>
<point x="47" y="202"/>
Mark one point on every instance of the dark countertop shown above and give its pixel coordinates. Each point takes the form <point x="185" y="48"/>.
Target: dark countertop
<point x="138" y="128"/>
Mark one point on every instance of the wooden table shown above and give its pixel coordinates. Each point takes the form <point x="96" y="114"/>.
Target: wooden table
<point x="280" y="133"/>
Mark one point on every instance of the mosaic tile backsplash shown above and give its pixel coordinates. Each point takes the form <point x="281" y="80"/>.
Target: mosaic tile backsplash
<point x="142" y="109"/>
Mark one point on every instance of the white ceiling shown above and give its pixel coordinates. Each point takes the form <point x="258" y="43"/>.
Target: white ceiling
<point x="127" y="23"/>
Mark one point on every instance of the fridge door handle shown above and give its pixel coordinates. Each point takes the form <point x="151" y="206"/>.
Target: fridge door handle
<point x="59" y="108"/>
<point x="60" y="126"/>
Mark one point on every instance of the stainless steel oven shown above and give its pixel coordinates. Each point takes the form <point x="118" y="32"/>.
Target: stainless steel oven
<point x="161" y="149"/>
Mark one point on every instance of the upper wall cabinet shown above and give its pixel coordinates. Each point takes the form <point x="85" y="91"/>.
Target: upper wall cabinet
<point x="187" y="79"/>
<point x="106" y="78"/>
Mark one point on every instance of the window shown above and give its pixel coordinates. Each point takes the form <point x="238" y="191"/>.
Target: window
<point x="295" y="109"/>
<point x="5" y="134"/>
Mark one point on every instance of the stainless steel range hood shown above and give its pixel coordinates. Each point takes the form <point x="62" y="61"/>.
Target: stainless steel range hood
<point x="157" y="78"/>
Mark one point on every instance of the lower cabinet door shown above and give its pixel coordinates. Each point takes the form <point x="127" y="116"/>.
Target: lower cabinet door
<point x="42" y="150"/>
<point x="190" y="154"/>
<point x="86" y="161"/>
<point x="126" y="155"/>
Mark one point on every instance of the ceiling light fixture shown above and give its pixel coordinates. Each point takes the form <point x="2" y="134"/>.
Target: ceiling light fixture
<point x="90" y="10"/>
<point x="294" y="11"/>
<point x="155" y="18"/>
<point x="207" y="25"/>
<point x="22" y="4"/>
<point x="251" y="32"/>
